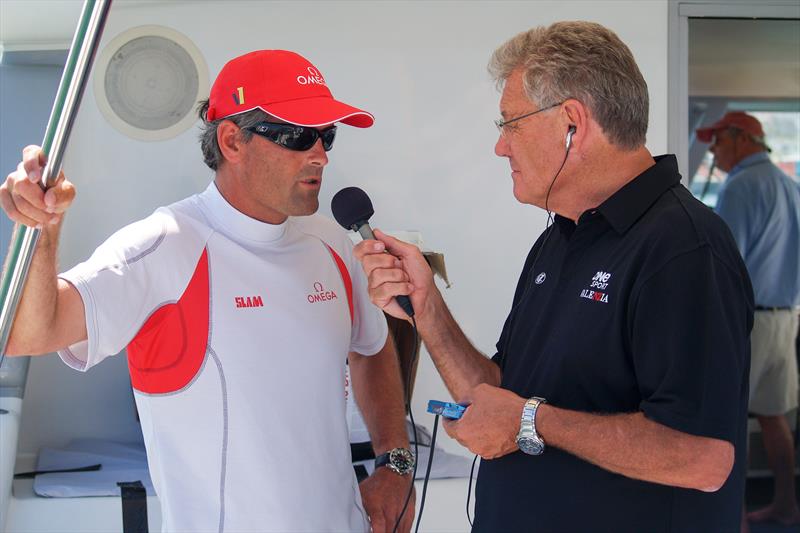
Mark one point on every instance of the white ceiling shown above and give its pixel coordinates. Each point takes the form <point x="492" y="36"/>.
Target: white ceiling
<point x="49" y="24"/>
<point x="727" y="57"/>
<point x="744" y="58"/>
<point x="38" y="24"/>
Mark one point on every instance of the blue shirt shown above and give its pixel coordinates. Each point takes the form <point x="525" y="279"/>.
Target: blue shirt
<point x="761" y="205"/>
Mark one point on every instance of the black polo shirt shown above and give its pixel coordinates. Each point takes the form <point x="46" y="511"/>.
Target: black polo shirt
<point x="644" y="305"/>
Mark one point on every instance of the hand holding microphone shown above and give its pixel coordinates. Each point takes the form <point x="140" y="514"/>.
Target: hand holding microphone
<point x="393" y="276"/>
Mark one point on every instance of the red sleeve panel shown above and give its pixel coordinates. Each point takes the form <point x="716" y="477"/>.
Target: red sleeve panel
<point x="168" y="351"/>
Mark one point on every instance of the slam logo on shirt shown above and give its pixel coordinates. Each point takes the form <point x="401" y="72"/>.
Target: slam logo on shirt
<point x="248" y="301"/>
<point x="598" y="284"/>
<point x="320" y="294"/>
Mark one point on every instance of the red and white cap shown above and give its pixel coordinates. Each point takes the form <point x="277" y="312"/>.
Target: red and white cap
<point x="285" y="85"/>
<point x="733" y="119"/>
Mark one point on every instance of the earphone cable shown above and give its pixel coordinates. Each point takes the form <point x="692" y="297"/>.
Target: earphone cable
<point x="469" y="488"/>
<point x="548" y="229"/>
<point x="413" y="425"/>
<point x="427" y="473"/>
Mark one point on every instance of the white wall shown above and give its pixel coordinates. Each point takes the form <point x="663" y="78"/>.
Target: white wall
<point x="428" y="162"/>
<point x="28" y="83"/>
<point x="26" y="94"/>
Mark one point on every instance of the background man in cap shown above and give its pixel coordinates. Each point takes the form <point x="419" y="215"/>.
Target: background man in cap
<point x="761" y="205"/>
<point x="238" y="307"/>
<point x="617" y="398"/>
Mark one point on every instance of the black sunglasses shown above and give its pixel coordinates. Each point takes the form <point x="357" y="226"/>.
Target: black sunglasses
<point x="297" y="138"/>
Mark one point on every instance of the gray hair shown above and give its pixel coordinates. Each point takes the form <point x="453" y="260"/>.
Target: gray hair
<point x="733" y="131"/>
<point x="212" y="156"/>
<point x="585" y="61"/>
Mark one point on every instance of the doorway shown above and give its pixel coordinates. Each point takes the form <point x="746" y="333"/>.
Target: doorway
<point x="736" y="56"/>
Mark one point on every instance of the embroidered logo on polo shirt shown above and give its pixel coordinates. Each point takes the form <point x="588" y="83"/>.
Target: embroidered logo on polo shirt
<point x="248" y="301"/>
<point x="320" y="294"/>
<point x="540" y="278"/>
<point x="598" y="284"/>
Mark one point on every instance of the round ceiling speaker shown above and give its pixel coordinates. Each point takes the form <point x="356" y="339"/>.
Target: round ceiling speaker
<point x="148" y="82"/>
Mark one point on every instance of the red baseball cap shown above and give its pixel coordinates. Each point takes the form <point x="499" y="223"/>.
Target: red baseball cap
<point x="285" y="85"/>
<point x="734" y="119"/>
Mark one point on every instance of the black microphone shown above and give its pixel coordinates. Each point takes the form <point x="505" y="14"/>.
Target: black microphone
<point x="352" y="209"/>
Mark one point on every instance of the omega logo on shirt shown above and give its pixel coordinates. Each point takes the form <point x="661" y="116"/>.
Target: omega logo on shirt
<point x="599" y="283"/>
<point x="320" y="294"/>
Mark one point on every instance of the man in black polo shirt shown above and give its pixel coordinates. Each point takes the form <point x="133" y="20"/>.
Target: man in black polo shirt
<point x="617" y="398"/>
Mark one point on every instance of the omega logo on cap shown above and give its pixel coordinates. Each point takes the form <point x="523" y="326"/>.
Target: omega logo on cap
<point x="314" y="78"/>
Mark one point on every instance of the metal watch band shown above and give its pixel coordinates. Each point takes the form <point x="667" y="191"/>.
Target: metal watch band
<point x="528" y="439"/>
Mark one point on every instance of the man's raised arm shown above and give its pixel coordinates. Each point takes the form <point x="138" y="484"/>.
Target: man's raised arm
<point x="50" y="314"/>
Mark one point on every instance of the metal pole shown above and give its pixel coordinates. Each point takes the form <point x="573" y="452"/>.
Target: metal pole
<point x="65" y="108"/>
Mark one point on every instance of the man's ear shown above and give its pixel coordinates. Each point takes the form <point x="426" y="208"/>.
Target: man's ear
<point x="229" y="138"/>
<point x="577" y="118"/>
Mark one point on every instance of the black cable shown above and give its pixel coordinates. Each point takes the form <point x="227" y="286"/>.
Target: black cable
<point x="550" y="188"/>
<point x="413" y="424"/>
<point x="31" y="475"/>
<point x="707" y="184"/>
<point x="549" y="222"/>
<point x="548" y="229"/>
<point x="469" y="488"/>
<point x="427" y="473"/>
<point x="436" y="421"/>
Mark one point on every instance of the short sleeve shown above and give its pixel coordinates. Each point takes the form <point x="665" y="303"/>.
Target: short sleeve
<point x="689" y="328"/>
<point x="369" y="323"/>
<point x="498" y="357"/>
<point x="129" y="276"/>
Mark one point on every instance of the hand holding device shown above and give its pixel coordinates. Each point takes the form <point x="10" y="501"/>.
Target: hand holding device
<point x="453" y="411"/>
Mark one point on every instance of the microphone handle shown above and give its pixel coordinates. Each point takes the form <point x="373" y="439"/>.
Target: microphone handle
<point x="366" y="233"/>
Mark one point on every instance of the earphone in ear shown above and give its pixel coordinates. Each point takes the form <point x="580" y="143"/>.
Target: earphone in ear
<point x="570" y="132"/>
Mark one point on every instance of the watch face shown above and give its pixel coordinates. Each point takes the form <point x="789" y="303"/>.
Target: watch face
<point x="401" y="460"/>
<point x="530" y="446"/>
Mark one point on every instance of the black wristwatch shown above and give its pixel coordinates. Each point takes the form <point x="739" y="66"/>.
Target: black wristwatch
<point x="398" y="460"/>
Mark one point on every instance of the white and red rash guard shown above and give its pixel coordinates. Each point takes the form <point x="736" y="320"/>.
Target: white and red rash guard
<point x="237" y="334"/>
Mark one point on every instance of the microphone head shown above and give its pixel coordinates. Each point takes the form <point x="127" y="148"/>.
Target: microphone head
<point x="350" y="206"/>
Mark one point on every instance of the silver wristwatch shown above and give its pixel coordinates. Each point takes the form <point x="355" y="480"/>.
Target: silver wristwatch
<point x="527" y="439"/>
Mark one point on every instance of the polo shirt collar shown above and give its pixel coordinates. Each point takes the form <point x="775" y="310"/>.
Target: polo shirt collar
<point x="625" y="206"/>
<point x="237" y="223"/>
<point x="749" y="161"/>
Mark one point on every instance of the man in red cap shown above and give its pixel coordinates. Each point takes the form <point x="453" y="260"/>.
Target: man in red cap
<point x="734" y="126"/>
<point x="761" y="205"/>
<point x="239" y="308"/>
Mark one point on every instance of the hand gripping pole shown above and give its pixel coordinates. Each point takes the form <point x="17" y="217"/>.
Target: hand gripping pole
<point x="73" y="82"/>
